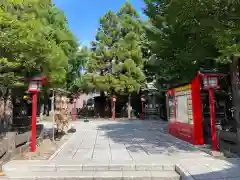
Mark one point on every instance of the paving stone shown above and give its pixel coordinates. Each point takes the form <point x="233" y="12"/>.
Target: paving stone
<point x="111" y="175"/>
<point x="83" y="154"/>
<point x="95" y="167"/>
<point x="43" y="168"/>
<point x="166" y="175"/>
<point x="168" y="167"/>
<point x="197" y="172"/>
<point x="137" y="175"/>
<point x="55" y="175"/>
<point x="149" y="167"/>
<point x="68" y="168"/>
<point x="122" y="162"/>
<point x="99" y="153"/>
<point x="29" y="162"/>
<point x="120" y="154"/>
<point x="35" y="167"/>
<point x="101" y="158"/>
<point x="4" y="178"/>
<point x="115" y="146"/>
<point x="122" y="167"/>
<point x="24" y="178"/>
<point x="230" y="173"/>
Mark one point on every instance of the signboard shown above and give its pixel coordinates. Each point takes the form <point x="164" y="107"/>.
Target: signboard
<point x="184" y="105"/>
<point x="171" y="108"/>
<point x="185" y="113"/>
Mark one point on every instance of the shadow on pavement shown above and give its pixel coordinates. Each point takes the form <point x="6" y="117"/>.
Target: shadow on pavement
<point x="47" y="132"/>
<point x="213" y="169"/>
<point x="152" y="138"/>
<point x="145" y="136"/>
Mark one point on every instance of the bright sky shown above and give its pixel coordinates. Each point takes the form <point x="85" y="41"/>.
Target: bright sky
<point x="83" y="15"/>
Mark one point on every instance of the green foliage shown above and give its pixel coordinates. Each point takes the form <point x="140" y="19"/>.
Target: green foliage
<point x="34" y="38"/>
<point x="188" y="34"/>
<point x="117" y="62"/>
<point x="78" y="61"/>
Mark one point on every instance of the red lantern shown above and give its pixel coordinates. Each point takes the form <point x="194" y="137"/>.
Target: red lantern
<point x="142" y="98"/>
<point x="35" y="84"/>
<point x="210" y="83"/>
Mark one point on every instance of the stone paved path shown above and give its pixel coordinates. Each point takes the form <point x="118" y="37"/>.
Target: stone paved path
<point x="145" y="142"/>
<point x="124" y="141"/>
<point x="140" y="143"/>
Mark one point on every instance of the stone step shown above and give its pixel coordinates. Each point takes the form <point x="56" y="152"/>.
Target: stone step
<point x="73" y="166"/>
<point x="97" y="175"/>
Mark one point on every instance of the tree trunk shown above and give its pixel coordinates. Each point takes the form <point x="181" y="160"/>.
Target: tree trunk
<point x="235" y="88"/>
<point x="6" y="109"/>
<point x="129" y="107"/>
<point x="236" y="93"/>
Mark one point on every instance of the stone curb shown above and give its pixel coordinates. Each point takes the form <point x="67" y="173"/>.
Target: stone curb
<point x="61" y="147"/>
<point x="185" y="175"/>
<point x="111" y="175"/>
<point x="63" y="167"/>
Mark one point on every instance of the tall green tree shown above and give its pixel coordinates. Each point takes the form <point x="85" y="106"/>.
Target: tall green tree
<point x="76" y="69"/>
<point x="34" y="37"/>
<point x="117" y="66"/>
<point x="186" y="35"/>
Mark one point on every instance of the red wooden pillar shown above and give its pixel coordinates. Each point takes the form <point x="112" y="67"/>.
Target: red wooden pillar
<point x="142" y="114"/>
<point x="142" y="107"/>
<point x="74" y="110"/>
<point x="213" y="122"/>
<point x="114" y="110"/>
<point x="114" y="106"/>
<point x="34" y="121"/>
<point x="35" y="85"/>
<point x="197" y="111"/>
<point x="175" y="107"/>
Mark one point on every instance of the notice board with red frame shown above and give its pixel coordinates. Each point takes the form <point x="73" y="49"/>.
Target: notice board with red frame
<point x="185" y="112"/>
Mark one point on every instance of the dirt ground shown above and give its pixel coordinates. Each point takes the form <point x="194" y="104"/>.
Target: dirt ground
<point x="44" y="150"/>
